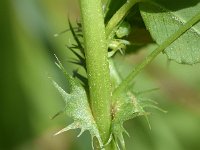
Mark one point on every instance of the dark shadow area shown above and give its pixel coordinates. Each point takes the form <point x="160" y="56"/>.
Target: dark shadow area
<point x="171" y="5"/>
<point x="113" y="7"/>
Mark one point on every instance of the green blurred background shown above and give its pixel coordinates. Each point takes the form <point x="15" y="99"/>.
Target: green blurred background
<point x="28" y="100"/>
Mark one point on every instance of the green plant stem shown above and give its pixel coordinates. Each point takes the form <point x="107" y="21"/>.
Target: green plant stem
<point x="118" y="16"/>
<point x="96" y="52"/>
<point x="107" y="7"/>
<point x="157" y="51"/>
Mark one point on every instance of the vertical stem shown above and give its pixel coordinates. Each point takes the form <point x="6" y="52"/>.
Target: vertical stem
<point x="95" y="45"/>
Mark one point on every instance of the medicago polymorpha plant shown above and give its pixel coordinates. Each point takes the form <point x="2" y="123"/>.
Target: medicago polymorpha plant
<point x="100" y="100"/>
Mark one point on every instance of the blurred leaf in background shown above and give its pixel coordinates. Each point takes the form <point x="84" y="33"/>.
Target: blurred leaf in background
<point x="15" y="111"/>
<point x="28" y="99"/>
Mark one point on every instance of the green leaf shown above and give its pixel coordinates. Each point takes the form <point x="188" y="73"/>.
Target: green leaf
<point x="77" y="107"/>
<point x="164" y="18"/>
<point x="125" y="106"/>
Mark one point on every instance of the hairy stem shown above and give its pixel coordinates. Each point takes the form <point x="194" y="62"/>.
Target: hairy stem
<point x="95" y="45"/>
<point x="157" y="51"/>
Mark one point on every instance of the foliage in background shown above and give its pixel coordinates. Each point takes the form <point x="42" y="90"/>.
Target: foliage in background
<point x="123" y="104"/>
<point x="27" y="51"/>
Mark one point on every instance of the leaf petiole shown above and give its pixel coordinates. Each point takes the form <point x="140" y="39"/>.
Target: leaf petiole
<point x="157" y="51"/>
